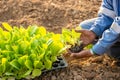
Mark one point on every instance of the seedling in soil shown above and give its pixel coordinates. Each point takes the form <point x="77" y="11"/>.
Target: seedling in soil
<point x="76" y="48"/>
<point x="79" y="47"/>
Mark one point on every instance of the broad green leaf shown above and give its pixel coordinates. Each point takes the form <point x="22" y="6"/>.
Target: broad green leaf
<point x="39" y="50"/>
<point x="23" y="47"/>
<point x="8" y="47"/>
<point x="28" y="64"/>
<point x="33" y="57"/>
<point x="36" y="72"/>
<point x="41" y="56"/>
<point x="2" y="68"/>
<point x="75" y="34"/>
<point x="45" y="46"/>
<point x="56" y="37"/>
<point x="34" y="43"/>
<point x="48" y="63"/>
<point x="4" y="60"/>
<point x="22" y="60"/>
<point x="1" y="33"/>
<point x="5" y="65"/>
<point x="6" y="53"/>
<point x="56" y="47"/>
<point x="66" y="32"/>
<point x="9" y="74"/>
<point x="2" y="44"/>
<point x="38" y="65"/>
<point x="70" y="37"/>
<point x="42" y="30"/>
<point x="53" y="58"/>
<point x="3" y="78"/>
<point x="27" y="73"/>
<point x="32" y="29"/>
<point x="63" y="50"/>
<point x="15" y="64"/>
<point x="15" y="48"/>
<point x="7" y="26"/>
<point x="7" y="35"/>
<point x="49" y="42"/>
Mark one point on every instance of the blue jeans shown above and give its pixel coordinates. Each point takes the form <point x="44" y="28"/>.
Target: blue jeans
<point x="114" y="51"/>
<point x="87" y="23"/>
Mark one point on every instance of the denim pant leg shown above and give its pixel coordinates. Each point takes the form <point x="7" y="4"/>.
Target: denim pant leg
<point x="87" y="23"/>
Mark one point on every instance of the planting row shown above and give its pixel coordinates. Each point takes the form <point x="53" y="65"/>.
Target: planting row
<point x="26" y="52"/>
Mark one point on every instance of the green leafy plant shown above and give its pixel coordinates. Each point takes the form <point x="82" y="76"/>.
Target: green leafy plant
<point x="72" y="38"/>
<point x="25" y="52"/>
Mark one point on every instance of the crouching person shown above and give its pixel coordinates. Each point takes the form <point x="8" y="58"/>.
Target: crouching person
<point x="106" y="26"/>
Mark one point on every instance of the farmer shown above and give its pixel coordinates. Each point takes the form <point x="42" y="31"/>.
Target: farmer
<point x="106" y="26"/>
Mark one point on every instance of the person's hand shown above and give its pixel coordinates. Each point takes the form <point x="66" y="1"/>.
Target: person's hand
<point x="87" y="36"/>
<point x="82" y="54"/>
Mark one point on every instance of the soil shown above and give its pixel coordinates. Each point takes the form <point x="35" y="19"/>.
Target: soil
<point x="55" y="15"/>
<point x="76" y="48"/>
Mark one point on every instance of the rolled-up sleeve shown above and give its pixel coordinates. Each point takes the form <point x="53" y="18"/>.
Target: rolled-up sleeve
<point x="105" y="18"/>
<point x="109" y="37"/>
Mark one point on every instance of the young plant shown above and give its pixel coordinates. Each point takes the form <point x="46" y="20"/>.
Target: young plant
<point x="72" y="38"/>
<point x="24" y="53"/>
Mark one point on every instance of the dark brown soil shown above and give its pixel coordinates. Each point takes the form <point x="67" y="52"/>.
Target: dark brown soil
<point x="76" y="48"/>
<point x="54" y="15"/>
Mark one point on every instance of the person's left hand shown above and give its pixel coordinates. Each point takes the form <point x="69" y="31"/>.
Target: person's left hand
<point x="82" y="54"/>
<point x="86" y="36"/>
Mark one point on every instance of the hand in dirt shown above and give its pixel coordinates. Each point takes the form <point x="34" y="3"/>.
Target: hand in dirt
<point x="87" y="36"/>
<point x="82" y="54"/>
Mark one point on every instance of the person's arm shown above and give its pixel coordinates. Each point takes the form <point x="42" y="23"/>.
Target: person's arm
<point x="109" y="37"/>
<point x="105" y="18"/>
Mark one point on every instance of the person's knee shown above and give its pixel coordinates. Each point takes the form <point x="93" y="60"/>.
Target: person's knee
<point x="85" y="25"/>
<point x="82" y="25"/>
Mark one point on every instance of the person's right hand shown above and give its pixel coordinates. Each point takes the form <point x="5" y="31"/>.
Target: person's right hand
<point x="87" y="36"/>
